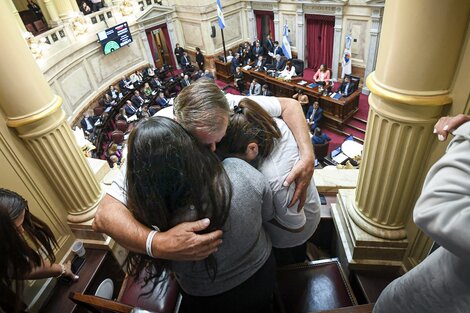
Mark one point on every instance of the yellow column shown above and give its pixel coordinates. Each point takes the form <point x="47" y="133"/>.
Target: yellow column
<point x="18" y="19"/>
<point x="419" y="49"/>
<point x="35" y="112"/>
<point x="54" y="18"/>
<point x="65" y="9"/>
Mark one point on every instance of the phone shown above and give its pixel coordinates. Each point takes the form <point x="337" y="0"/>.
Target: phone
<point x="77" y="264"/>
<point x="322" y="199"/>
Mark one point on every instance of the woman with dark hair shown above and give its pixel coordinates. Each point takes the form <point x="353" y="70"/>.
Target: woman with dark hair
<point x="171" y="179"/>
<point x="20" y="261"/>
<point x="269" y="145"/>
<point x="199" y="59"/>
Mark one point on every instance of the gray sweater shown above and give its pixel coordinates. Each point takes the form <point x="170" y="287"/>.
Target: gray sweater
<point x="245" y="247"/>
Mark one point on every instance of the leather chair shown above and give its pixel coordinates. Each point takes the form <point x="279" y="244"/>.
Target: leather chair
<point x="321" y="150"/>
<point x="165" y="298"/>
<point x="299" y="66"/>
<point x="31" y="29"/>
<point x="313" y="287"/>
<point x="97" y="111"/>
<point x="121" y="125"/>
<point x="40" y="26"/>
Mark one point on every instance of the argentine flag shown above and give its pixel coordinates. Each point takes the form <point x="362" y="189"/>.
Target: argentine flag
<point x="220" y="15"/>
<point x="285" y="42"/>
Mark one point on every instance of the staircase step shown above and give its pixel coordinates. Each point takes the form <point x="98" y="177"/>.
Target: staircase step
<point x="359" y="119"/>
<point x="356" y="128"/>
<point x="346" y="134"/>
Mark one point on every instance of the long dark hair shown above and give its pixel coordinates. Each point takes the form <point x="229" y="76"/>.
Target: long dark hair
<point x="18" y="257"/>
<point x="249" y="123"/>
<point x="171" y="178"/>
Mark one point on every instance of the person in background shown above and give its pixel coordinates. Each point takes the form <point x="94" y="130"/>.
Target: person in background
<point x="319" y="137"/>
<point x="314" y="116"/>
<point x="229" y="56"/>
<point x="208" y="74"/>
<point x="440" y="283"/>
<point x="269" y="145"/>
<point x="199" y="59"/>
<point x="85" y="8"/>
<point x="257" y="50"/>
<point x="87" y="123"/>
<point x="172" y="179"/>
<point x="278" y="64"/>
<point x="19" y="260"/>
<point x="265" y="91"/>
<point x="185" y="81"/>
<point x="303" y="100"/>
<point x="238" y="79"/>
<point x="260" y="63"/>
<point x="147" y="90"/>
<point x="235" y="63"/>
<point x="32" y="6"/>
<point x="347" y="87"/>
<point x="255" y="88"/>
<point x="178" y="53"/>
<point x="161" y="100"/>
<point x="277" y="49"/>
<point x="288" y="72"/>
<point x="96" y="5"/>
<point x="322" y="75"/>
<point x="185" y="61"/>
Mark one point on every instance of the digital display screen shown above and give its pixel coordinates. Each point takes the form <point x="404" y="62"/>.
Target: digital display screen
<point x="115" y="37"/>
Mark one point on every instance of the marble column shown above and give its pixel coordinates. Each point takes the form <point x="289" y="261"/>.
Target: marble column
<point x="54" y="18"/>
<point x="300" y="33"/>
<point x="18" y="19"/>
<point x="251" y="22"/>
<point x="65" y="9"/>
<point x="337" y="49"/>
<point x="373" y="44"/>
<point x="409" y="90"/>
<point x="277" y="29"/>
<point x="35" y="113"/>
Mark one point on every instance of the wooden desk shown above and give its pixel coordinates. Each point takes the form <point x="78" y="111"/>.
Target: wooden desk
<point x="335" y="112"/>
<point x="99" y="265"/>
<point x="223" y="71"/>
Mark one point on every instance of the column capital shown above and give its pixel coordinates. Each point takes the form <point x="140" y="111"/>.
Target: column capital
<point x="426" y="98"/>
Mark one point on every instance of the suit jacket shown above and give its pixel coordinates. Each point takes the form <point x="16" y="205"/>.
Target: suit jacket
<point x="130" y="110"/>
<point x="124" y="83"/>
<point x="260" y="66"/>
<point x="268" y="46"/>
<point x="255" y="90"/>
<point x="267" y="93"/>
<point x="317" y="116"/>
<point x="278" y="50"/>
<point x="185" y="61"/>
<point x="163" y="102"/>
<point x="279" y="66"/>
<point x="87" y="127"/>
<point x="137" y="101"/>
<point x="185" y="83"/>
<point x="235" y="64"/>
<point x="156" y="84"/>
<point x="346" y="88"/>
<point x="257" y="51"/>
<point x="179" y="54"/>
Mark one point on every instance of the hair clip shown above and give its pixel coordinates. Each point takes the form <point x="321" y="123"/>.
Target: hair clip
<point x="237" y="110"/>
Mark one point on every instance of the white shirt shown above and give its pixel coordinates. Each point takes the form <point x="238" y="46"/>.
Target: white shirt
<point x="275" y="168"/>
<point x="118" y="188"/>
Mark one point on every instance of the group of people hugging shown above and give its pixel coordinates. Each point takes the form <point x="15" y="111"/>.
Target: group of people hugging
<point x="217" y="189"/>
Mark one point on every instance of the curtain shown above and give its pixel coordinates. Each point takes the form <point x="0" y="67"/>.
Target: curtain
<point x="320" y="36"/>
<point x="168" y="45"/>
<point x="259" y="23"/>
<point x="151" y="44"/>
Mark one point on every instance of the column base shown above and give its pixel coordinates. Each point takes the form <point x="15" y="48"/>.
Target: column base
<point x="359" y="249"/>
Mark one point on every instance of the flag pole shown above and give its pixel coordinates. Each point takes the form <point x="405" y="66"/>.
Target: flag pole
<point x="223" y="44"/>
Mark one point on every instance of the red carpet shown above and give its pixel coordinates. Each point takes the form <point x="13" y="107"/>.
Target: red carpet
<point x="336" y="138"/>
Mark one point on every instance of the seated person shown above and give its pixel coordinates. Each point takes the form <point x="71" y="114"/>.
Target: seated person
<point x="156" y="83"/>
<point x="198" y="74"/>
<point x="27" y="246"/>
<point x="161" y="100"/>
<point x="147" y="90"/>
<point x="114" y="93"/>
<point x="257" y="50"/>
<point x="347" y="87"/>
<point x="278" y="64"/>
<point x="208" y="74"/>
<point x="288" y="72"/>
<point x="130" y="109"/>
<point x="185" y="81"/>
<point x="108" y="101"/>
<point x="319" y="137"/>
<point x="150" y="71"/>
<point x="303" y="100"/>
<point x="137" y="99"/>
<point x="174" y="179"/>
<point x="255" y="88"/>
<point x="322" y="75"/>
<point x="87" y="123"/>
<point x="136" y="78"/>
<point x="265" y="91"/>
<point x="239" y="80"/>
<point x="269" y="145"/>
<point x="126" y="84"/>
<point x="314" y="115"/>
<point x="259" y="64"/>
<point x="185" y="61"/>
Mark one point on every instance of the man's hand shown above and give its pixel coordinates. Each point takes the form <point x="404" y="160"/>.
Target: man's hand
<point x="181" y="243"/>
<point x="302" y="174"/>
<point x="448" y="124"/>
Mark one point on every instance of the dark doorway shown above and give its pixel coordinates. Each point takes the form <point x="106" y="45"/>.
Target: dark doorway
<point x="160" y="45"/>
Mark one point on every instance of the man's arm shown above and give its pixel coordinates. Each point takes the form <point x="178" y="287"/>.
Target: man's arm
<point x="302" y="172"/>
<point x="180" y="243"/>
